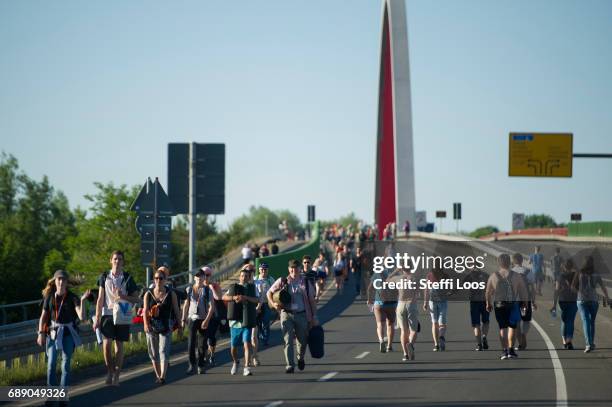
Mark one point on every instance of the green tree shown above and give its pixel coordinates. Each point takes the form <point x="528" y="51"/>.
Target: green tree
<point x="539" y="221"/>
<point x="35" y="222"/>
<point x="484" y="231"/>
<point x="110" y="226"/>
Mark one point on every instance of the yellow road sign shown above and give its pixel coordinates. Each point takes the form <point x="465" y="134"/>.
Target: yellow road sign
<point x="540" y="155"/>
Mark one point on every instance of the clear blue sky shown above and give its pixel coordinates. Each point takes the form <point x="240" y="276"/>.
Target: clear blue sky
<point x="94" y="91"/>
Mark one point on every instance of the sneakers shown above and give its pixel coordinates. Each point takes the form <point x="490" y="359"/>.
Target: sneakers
<point x="256" y="361"/>
<point x="512" y="354"/>
<point x="442" y="343"/>
<point x="587" y="349"/>
<point x="436" y="348"/>
<point x="382" y="347"/>
<point x="289" y="369"/>
<point x="201" y="370"/>
<point x="479" y="348"/>
<point x="485" y="343"/>
<point x="405" y="358"/>
<point x="411" y="351"/>
<point x="190" y="370"/>
<point x="301" y="364"/>
<point x="504" y="355"/>
<point x="246" y="371"/>
<point x="390" y="348"/>
<point x="116" y="378"/>
<point x="234" y="368"/>
<point x="569" y="346"/>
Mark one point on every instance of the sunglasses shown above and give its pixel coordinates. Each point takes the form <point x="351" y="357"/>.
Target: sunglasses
<point x="158" y="278"/>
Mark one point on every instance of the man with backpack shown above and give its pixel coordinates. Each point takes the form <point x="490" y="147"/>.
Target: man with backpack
<point x="505" y="290"/>
<point x="242" y="300"/>
<point x="198" y="311"/>
<point x="478" y="311"/>
<point x="296" y="315"/>
<point x="117" y="291"/>
<point x="529" y="279"/>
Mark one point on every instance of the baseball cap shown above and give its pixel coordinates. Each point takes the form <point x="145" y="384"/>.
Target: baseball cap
<point x="60" y="273"/>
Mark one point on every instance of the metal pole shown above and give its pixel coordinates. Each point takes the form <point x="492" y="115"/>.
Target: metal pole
<point x="148" y="270"/>
<point x="266" y="225"/>
<point x="192" y="209"/>
<point x="592" y="155"/>
<point x="155" y="216"/>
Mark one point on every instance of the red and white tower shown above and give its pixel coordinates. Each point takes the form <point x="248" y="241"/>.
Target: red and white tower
<point x="394" y="201"/>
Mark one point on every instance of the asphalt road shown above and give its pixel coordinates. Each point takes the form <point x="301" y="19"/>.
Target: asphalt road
<point x="354" y="373"/>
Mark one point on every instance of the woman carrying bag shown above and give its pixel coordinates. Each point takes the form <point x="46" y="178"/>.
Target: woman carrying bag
<point x="159" y="303"/>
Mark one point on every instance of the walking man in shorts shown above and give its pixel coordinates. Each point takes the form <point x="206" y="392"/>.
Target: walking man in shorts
<point x="505" y="293"/>
<point x="478" y="308"/>
<point x="240" y="334"/>
<point x="114" y="286"/>
<point x="407" y="312"/>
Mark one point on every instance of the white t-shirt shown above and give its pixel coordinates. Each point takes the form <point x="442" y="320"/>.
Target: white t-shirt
<point x="246" y="253"/>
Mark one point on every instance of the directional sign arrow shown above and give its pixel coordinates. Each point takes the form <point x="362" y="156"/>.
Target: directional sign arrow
<point x="144" y="204"/>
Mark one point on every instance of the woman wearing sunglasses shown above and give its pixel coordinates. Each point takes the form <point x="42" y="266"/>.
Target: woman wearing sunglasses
<point x="159" y="304"/>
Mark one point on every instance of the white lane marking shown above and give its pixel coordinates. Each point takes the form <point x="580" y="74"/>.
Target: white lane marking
<point x="558" y="368"/>
<point x="275" y="403"/>
<point x="362" y="355"/>
<point x="327" y="377"/>
<point x="77" y="390"/>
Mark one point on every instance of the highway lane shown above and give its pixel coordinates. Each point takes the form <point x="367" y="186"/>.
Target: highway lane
<point x="357" y="374"/>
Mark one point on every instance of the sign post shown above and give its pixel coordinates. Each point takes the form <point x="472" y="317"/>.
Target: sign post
<point x="440" y="215"/>
<point x="154" y="224"/>
<point x="540" y="155"/>
<point x="457" y="214"/>
<point x="196" y="184"/>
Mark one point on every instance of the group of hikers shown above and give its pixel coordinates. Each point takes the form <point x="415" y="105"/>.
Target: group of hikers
<point x="250" y="305"/>
<point x="511" y="293"/>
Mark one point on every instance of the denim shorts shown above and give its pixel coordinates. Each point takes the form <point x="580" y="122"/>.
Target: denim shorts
<point x="438" y="311"/>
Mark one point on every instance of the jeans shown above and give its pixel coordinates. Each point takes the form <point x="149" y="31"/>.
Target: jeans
<point x="588" y="313"/>
<point x="263" y="324"/>
<point x="68" y="344"/>
<point x="568" y="315"/>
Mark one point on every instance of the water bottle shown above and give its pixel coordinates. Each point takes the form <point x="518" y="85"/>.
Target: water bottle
<point x="98" y="332"/>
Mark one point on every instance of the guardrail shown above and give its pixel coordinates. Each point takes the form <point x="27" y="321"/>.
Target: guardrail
<point x="26" y="306"/>
<point x="17" y="341"/>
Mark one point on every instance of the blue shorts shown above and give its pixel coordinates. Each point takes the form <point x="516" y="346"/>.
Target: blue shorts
<point x="478" y="313"/>
<point x="321" y="275"/>
<point x="240" y="336"/>
<point x="438" y="311"/>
